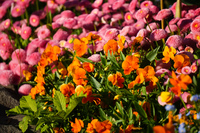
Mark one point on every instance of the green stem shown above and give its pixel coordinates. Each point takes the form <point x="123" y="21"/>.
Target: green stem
<point x="37" y="5"/>
<point x="183" y="103"/>
<point x="94" y="46"/>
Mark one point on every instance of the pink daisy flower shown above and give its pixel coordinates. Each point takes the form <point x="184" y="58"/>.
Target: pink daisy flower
<point x="124" y="31"/>
<point x="186" y="97"/>
<point x="97" y="3"/>
<point x="2" y="11"/>
<point x="154" y="9"/>
<point x="19" y="55"/>
<point x="195" y="26"/>
<point x="51" y="4"/>
<point x="111" y="34"/>
<point x="23" y="3"/>
<point x="117" y="4"/>
<point x="141" y="13"/>
<point x="163" y="14"/>
<point x="43" y="33"/>
<point x="139" y="24"/>
<point x="184" y="24"/>
<point x="25" y="89"/>
<point x="143" y="33"/>
<point x="6" y="77"/>
<point x="95" y="58"/>
<point x="4" y="66"/>
<point x="34" y="20"/>
<point x="158" y="34"/>
<point x="60" y="1"/>
<point x="174" y="41"/>
<point x="5" y="24"/>
<point x="20" y="68"/>
<point x="25" y="32"/>
<point x="174" y="21"/>
<point x="132" y="6"/>
<point x="186" y="70"/>
<point x="69" y="23"/>
<point x="191" y="14"/>
<point x="60" y="35"/>
<point x="194" y="68"/>
<point x="67" y="14"/>
<point x="17" y="11"/>
<point x="128" y="17"/>
<point x="33" y="58"/>
<point x="146" y="4"/>
<point x="7" y="3"/>
<point x="55" y="25"/>
<point x="152" y="26"/>
<point x="172" y="27"/>
<point x="189" y="49"/>
<point x="190" y="41"/>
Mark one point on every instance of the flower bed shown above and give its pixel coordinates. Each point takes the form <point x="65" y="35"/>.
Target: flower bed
<point x="115" y="66"/>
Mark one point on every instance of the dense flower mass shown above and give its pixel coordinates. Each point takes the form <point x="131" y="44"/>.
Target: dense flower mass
<point x="99" y="66"/>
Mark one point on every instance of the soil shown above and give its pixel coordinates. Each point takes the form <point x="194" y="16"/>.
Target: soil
<point x="9" y="98"/>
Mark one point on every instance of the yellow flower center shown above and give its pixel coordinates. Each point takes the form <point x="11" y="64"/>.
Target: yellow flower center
<point x="128" y="17"/>
<point x="17" y="9"/>
<point x="195" y="25"/>
<point x="198" y="37"/>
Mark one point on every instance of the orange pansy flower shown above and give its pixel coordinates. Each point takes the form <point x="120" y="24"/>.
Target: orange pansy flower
<point x="103" y="127"/>
<point x="91" y="126"/>
<point x="27" y="75"/>
<point x="67" y="89"/>
<point x="87" y="90"/>
<point x="116" y="79"/>
<point x="168" y="127"/>
<point x="92" y="36"/>
<point x="129" y="64"/>
<point x="77" y="126"/>
<point x="89" y="67"/>
<point x="62" y="70"/>
<point x="111" y="46"/>
<point x="180" y="61"/>
<point x="180" y="82"/>
<point x="80" y="46"/>
<point x="120" y="42"/>
<point x="79" y="76"/>
<point x="58" y="130"/>
<point x="168" y="53"/>
<point x="51" y="53"/>
<point x="72" y="67"/>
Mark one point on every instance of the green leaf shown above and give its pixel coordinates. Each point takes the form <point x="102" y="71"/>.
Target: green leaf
<point x="95" y="83"/>
<point x="74" y="101"/>
<point x="130" y="113"/>
<point x="102" y="114"/>
<point x="120" y="108"/>
<point x="28" y="102"/>
<point x="103" y="60"/>
<point x="39" y="125"/>
<point x="23" y="125"/>
<point x="143" y="89"/>
<point x="140" y="110"/>
<point x="122" y="56"/>
<point x="84" y="60"/>
<point x="59" y="101"/>
<point x="152" y="54"/>
<point x="14" y="111"/>
<point x="194" y="80"/>
<point x="44" y="128"/>
<point x="112" y="59"/>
